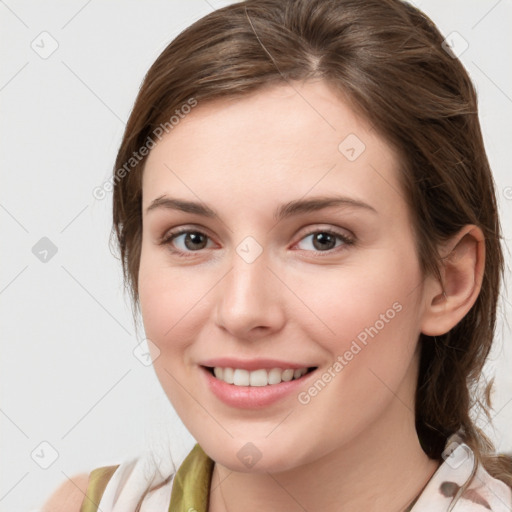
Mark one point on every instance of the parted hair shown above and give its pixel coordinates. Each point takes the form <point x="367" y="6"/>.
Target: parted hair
<point x="388" y="59"/>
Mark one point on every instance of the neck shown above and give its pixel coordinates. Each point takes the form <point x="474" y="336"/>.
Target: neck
<point x="384" y="468"/>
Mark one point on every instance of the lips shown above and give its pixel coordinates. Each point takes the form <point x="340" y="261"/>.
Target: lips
<point x="250" y="384"/>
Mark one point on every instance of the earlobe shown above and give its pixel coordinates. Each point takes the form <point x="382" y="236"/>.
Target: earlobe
<point x="448" y="302"/>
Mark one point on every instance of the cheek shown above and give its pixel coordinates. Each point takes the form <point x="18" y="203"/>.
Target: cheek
<point x="369" y="329"/>
<point x="374" y="296"/>
<point x="171" y="308"/>
<point x="173" y="301"/>
<point x="373" y="317"/>
<point x="158" y="297"/>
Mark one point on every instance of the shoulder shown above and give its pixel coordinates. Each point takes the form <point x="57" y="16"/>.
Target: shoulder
<point x="144" y="481"/>
<point x="68" y="497"/>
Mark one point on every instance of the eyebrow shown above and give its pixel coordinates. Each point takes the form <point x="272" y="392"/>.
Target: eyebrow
<point x="283" y="211"/>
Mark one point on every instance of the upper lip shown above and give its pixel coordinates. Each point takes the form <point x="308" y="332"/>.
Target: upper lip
<point x="252" y="364"/>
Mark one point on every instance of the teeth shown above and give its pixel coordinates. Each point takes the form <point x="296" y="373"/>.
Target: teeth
<point x="297" y="373"/>
<point x="258" y="378"/>
<point x="240" y="377"/>
<point x="274" y="376"/>
<point x="227" y="375"/>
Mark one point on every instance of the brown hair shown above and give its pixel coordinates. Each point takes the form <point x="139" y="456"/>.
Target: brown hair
<point x="387" y="58"/>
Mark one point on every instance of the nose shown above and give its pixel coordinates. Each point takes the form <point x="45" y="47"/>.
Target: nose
<point x="251" y="299"/>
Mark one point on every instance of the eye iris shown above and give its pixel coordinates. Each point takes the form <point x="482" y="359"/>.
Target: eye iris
<point x="195" y="238"/>
<point x="322" y="238"/>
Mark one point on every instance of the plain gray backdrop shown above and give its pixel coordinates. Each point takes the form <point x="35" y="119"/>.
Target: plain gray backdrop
<point x="74" y="396"/>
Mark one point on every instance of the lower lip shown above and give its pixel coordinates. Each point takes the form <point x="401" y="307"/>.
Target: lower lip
<point x="252" y="397"/>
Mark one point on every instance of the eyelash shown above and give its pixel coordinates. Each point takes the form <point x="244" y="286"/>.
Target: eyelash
<point x="169" y="237"/>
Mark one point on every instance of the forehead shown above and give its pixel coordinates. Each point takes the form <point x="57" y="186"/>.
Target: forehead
<point x="286" y="139"/>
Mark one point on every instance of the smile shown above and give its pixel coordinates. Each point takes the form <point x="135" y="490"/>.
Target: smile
<point x="260" y="377"/>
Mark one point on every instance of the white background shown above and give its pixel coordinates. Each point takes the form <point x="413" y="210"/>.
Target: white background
<point x="69" y="376"/>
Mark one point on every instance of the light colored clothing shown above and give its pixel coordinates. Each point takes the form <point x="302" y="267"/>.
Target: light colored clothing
<point x="460" y="484"/>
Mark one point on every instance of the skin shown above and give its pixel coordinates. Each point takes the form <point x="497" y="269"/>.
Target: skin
<point x="298" y="301"/>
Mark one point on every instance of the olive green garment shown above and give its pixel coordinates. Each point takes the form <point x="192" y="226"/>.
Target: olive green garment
<point x="190" y="488"/>
<point x="98" y="480"/>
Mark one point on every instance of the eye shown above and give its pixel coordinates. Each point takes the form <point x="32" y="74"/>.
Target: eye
<point x="186" y="240"/>
<point x="325" y="240"/>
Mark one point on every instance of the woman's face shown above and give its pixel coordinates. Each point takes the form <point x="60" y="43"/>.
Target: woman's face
<point x="298" y="253"/>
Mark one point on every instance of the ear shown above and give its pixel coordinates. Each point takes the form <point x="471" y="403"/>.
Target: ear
<point x="447" y="303"/>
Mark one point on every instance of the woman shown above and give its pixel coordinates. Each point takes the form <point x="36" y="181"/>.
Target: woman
<point x="307" y="222"/>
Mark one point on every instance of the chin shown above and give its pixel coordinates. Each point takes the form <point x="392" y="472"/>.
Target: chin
<point x="263" y="456"/>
